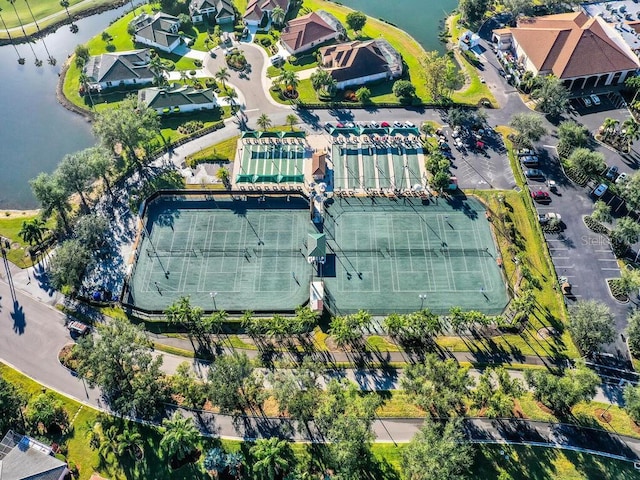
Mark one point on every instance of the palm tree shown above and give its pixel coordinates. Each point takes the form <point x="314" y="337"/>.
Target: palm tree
<point x="231" y="95"/>
<point x="631" y="131"/>
<point x="20" y="59"/>
<point x="609" y="126"/>
<point x="84" y="83"/>
<point x="158" y="69"/>
<point x="223" y="175"/>
<point x="180" y="436"/>
<point x="222" y="75"/>
<point x="322" y="80"/>
<point x="264" y="122"/>
<point x="108" y="442"/>
<point x="292" y="119"/>
<point x="272" y="458"/>
<point x="13" y="4"/>
<point x="288" y="79"/>
<point x="129" y="441"/>
<point x="278" y="15"/>
<point x="234" y="463"/>
<point x="52" y="61"/>
<point x="32" y="231"/>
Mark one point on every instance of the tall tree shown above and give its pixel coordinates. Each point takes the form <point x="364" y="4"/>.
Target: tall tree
<point x="273" y="458"/>
<point x="52" y="197"/>
<point x="68" y="265"/>
<point x="222" y="75"/>
<point x="633" y="332"/>
<point x="130" y="441"/>
<point x="571" y="135"/>
<point x="120" y="362"/>
<point x="52" y="61"/>
<point x="101" y="164"/>
<point x="551" y="95"/>
<point x="440" y="75"/>
<point x="33" y="230"/>
<point x="292" y="119"/>
<point x="627" y="231"/>
<point x="46" y="410"/>
<point x="586" y="161"/>
<point x="631" y="191"/>
<point x="264" y="122"/>
<point x="215" y="461"/>
<point x="278" y="16"/>
<point x="591" y="325"/>
<point x="91" y="231"/>
<point x="232" y="383"/>
<point x="561" y="393"/>
<point x="13" y="4"/>
<point x="179" y="436"/>
<point x="529" y="128"/>
<point x="344" y="417"/>
<point x="437" y="386"/>
<point x="288" y="79"/>
<point x="631" y="396"/>
<point x="158" y="69"/>
<point x="437" y="451"/>
<point x="356" y="21"/>
<point x="76" y="175"/>
<point x="601" y="212"/>
<point x="11" y="403"/>
<point x="496" y="391"/>
<point x="20" y="58"/>
<point x="131" y="124"/>
<point x="473" y="10"/>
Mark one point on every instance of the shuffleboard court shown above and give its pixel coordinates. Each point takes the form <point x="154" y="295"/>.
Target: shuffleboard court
<point x="226" y="254"/>
<point x="400" y="255"/>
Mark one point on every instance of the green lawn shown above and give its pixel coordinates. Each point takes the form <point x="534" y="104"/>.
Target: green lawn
<point x="42" y="9"/>
<point x="9" y="228"/>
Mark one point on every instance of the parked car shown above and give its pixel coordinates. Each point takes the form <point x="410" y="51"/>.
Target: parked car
<point x="409" y="125"/>
<point x="397" y="124"/>
<point x="77" y="329"/>
<point x="534" y="173"/>
<point x="350" y="125"/>
<point x="385" y="124"/>
<point x="444" y="146"/>
<point x="586" y="101"/>
<point x="328" y="126"/>
<point x="595" y="99"/>
<point x="529" y="161"/>
<point x="623" y="177"/>
<point x="245" y="33"/>
<point x="374" y="125"/>
<point x="600" y="190"/>
<point x="276" y="60"/>
<point x="612" y="172"/>
<point x="540" y="196"/>
<point x="526" y="152"/>
<point x="545" y="218"/>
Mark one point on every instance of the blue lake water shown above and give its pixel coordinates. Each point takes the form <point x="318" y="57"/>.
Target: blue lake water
<point x="36" y="132"/>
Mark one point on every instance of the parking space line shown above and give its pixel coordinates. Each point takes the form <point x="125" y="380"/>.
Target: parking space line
<point x="607" y="260"/>
<point x="616" y="269"/>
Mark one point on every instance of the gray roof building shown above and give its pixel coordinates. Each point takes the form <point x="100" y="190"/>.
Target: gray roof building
<point x="176" y="96"/>
<point x="23" y="458"/>
<point x="222" y="8"/>
<point x="161" y="29"/>
<point x="119" y="67"/>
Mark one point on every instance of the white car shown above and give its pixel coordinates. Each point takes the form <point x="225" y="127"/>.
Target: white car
<point x="623" y="177"/>
<point x="397" y="124"/>
<point x="374" y="125"/>
<point x="595" y="99"/>
<point x="409" y="125"/>
<point x="587" y="102"/>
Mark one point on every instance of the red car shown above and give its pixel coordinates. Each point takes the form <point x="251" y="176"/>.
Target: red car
<point x="385" y="124"/>
<point x="540" y="196"/>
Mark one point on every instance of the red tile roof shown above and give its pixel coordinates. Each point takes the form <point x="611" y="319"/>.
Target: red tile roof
<point x="305" y="31"/>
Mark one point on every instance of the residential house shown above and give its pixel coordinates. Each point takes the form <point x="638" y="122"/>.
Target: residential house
<point x="469" y="40"/>
<point x="159" y="31"/>
<point x="177" y="99"/>
<point x="220" y="11"/>
<point x="260" y="10"/>
<point x="583" y="52"/>
<point x="304" y="33"/>
<point x="119" y="69"/>
<point x="356" y="63"/>
<point x="23" y="458"/>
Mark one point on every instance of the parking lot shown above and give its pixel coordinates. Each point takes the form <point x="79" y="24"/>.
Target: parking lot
<point x="481" y="168"/>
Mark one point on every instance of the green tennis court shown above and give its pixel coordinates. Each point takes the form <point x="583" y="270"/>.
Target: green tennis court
<point x="271" y="163"/>
<point x="226" y="254"/>
<point x="401" y="255"/>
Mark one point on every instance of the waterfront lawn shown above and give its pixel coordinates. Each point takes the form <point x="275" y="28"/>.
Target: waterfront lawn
<point x="9" y="228"/>
<point x="47" y="12"/>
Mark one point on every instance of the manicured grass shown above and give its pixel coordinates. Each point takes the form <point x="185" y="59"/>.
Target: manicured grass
<point x="9" y="228"/>
<point x="41" y="10"/>
<point x="377" y="343"/>
<point x="525" y="462"/>
<point x="226" y="148"/>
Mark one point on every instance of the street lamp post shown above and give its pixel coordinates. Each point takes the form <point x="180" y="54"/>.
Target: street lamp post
<point x="213" y="299"/>
<point x="423" y="297"/>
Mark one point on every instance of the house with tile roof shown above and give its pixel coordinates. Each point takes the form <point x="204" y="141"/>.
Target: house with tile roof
<point x="159" y="31"/>
<point x="304" y="33"/>
<point x="218" y="11"/>
<point x="119" y="69"/>
<point x="358" y="62"/>
<point x="23" y="458"/>
<point x="177" y="99"/>
<point x="583" y="52"/>
<point x="259" y="10"/>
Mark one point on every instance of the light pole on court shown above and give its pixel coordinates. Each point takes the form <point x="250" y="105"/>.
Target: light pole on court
<point x="423" y="297"/>
<point x="213" y="299"/>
